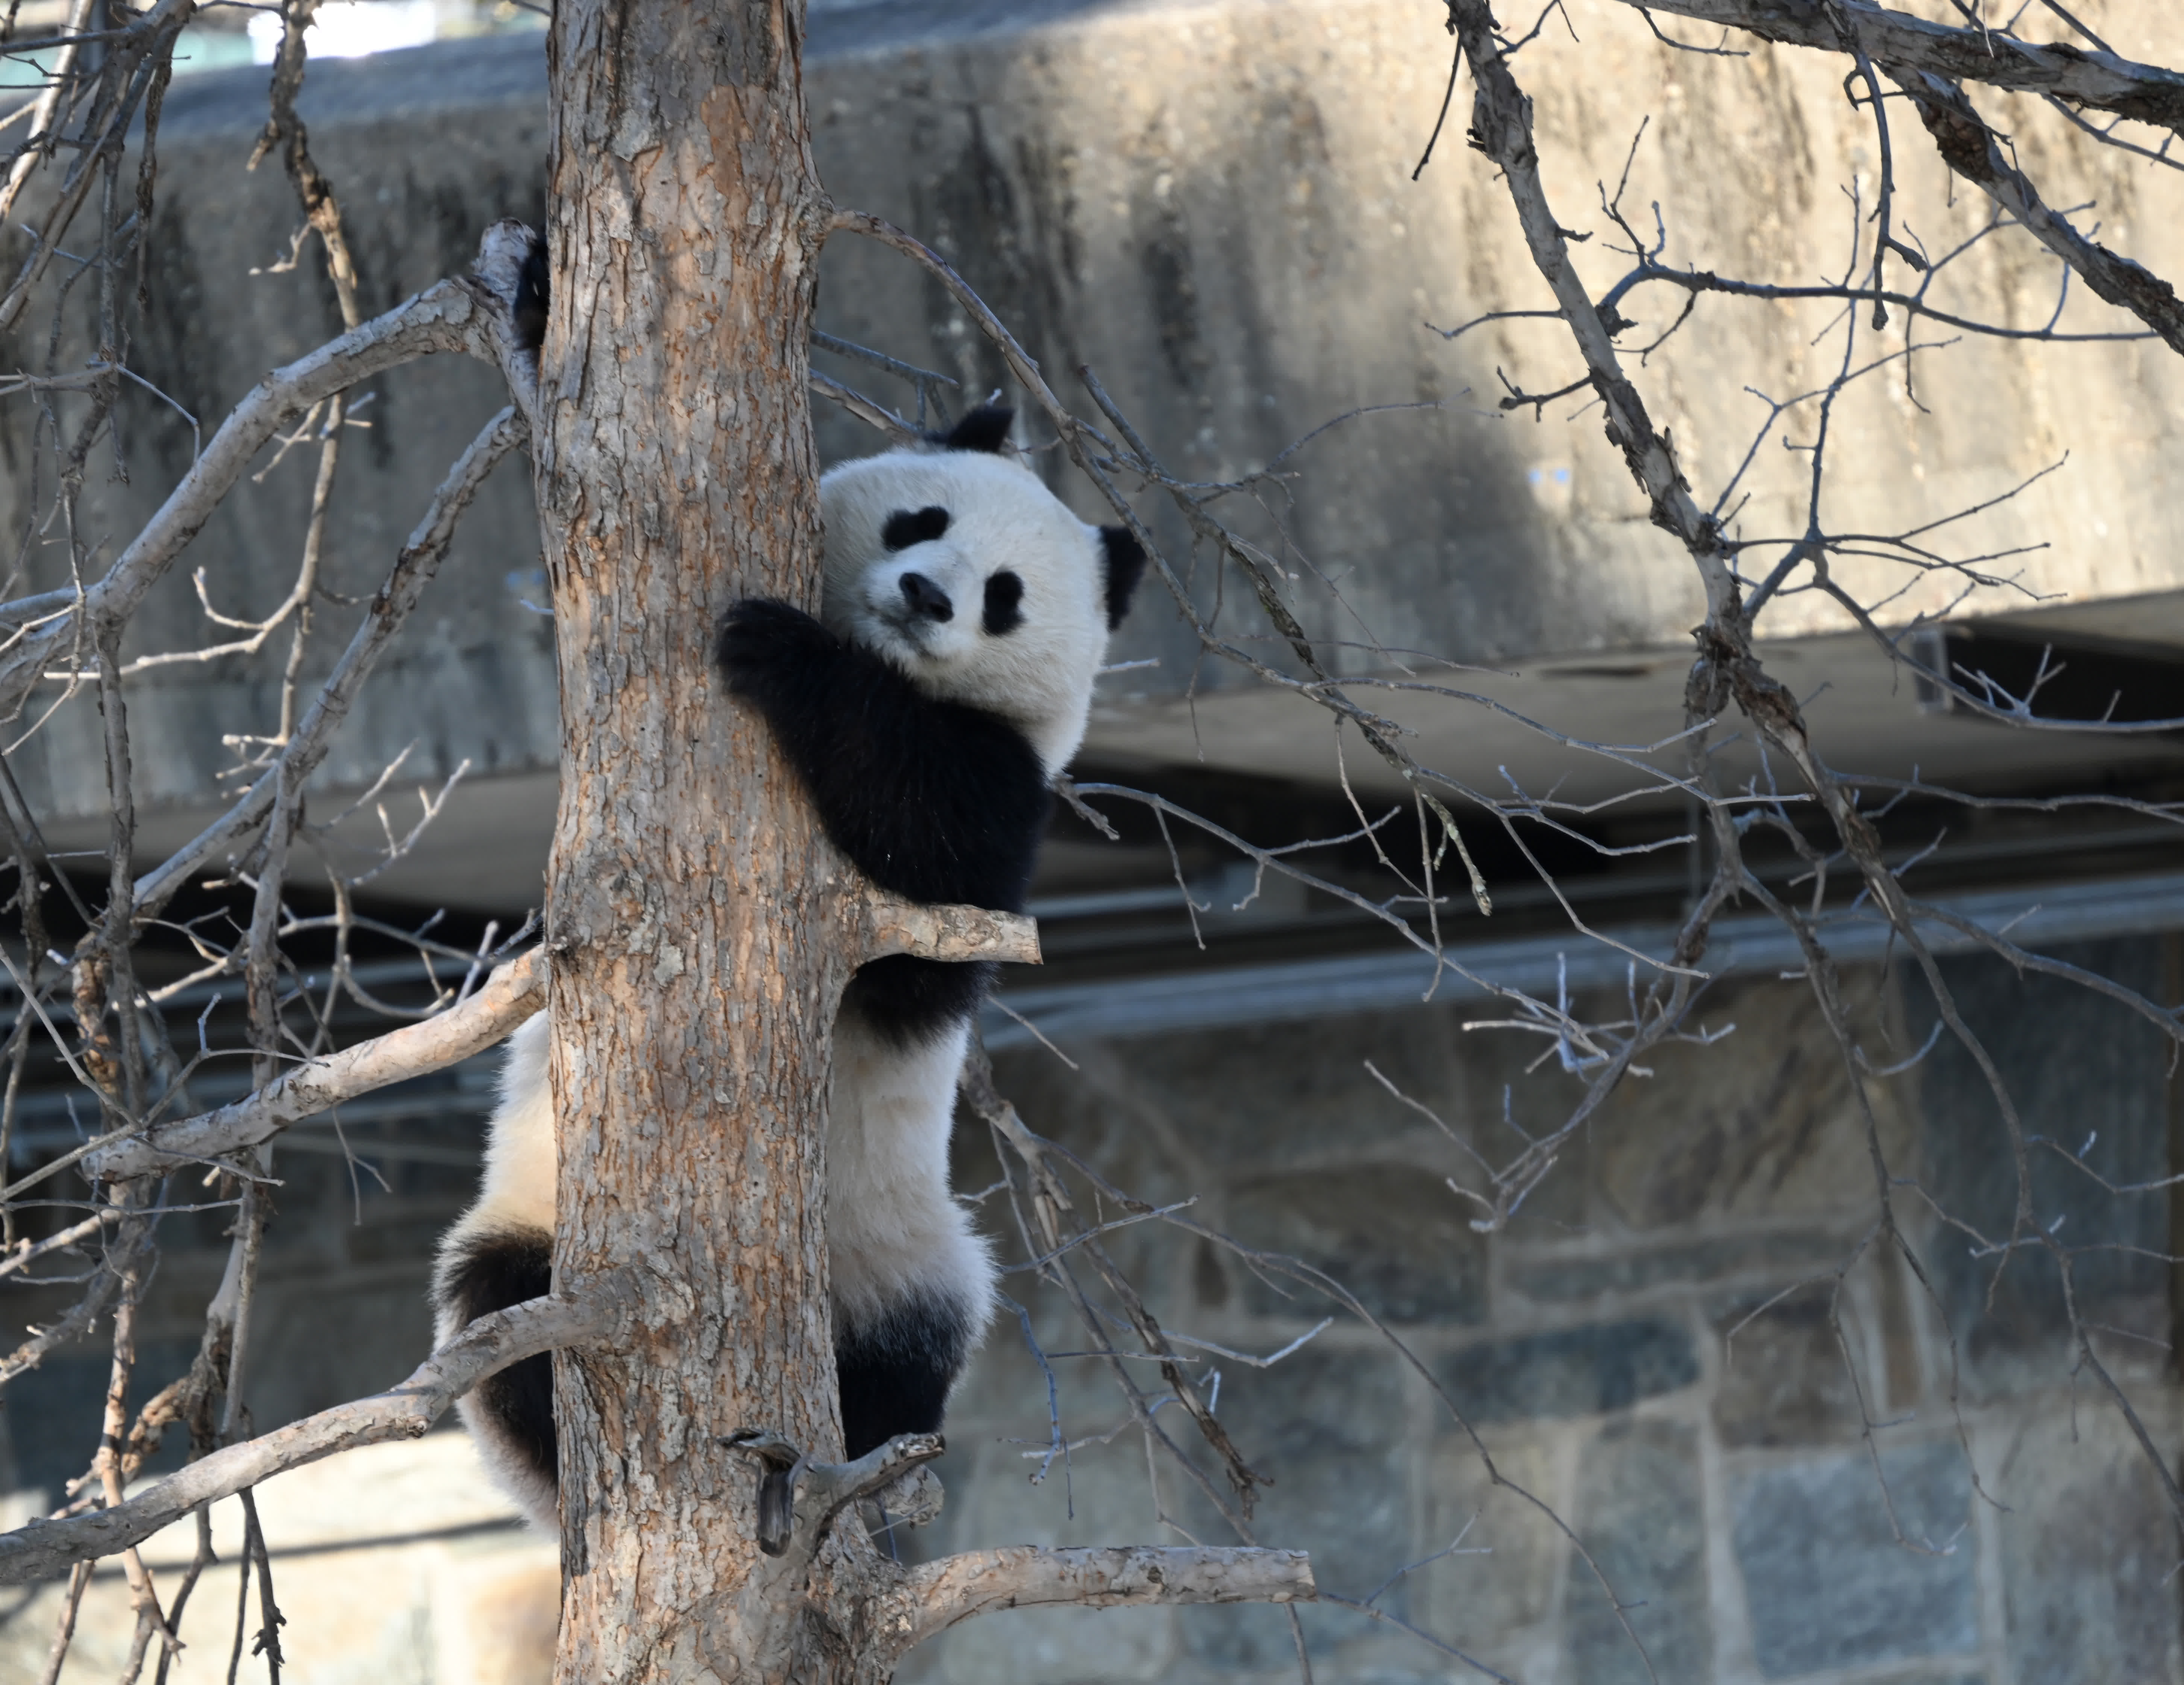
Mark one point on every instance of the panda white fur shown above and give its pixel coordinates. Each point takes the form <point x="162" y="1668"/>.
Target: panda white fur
<point x="927" y="712"/>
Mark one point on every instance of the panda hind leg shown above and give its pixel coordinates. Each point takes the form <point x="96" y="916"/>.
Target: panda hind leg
<point x="896" y="1369"/>
<point x="510" y="1413"/>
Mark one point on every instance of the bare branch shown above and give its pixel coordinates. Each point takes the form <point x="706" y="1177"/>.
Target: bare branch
<point x="436" y="320"/>
<point x="934" y="1597"/>
<point x="898" y="430"/>
<point x="42" y="1548"/>
<point x="1501" y="127"/>
<point x="46" y="106"/>
<point x="389" y="610"/>
<point x="1972" y="149"/>
<point x="1052" y="1204"/>
<point x="514" y="991"/>
<point x="285" y="129"/>
<point x="798" y="1498"/>
<point x="134" y="64"/>
<point x="493" y="281"/>
<point x="79" y="1320"/>
<point x="28" y="1252"/>
<point x="881" y="923"/>
<point x="1904" y="43"/>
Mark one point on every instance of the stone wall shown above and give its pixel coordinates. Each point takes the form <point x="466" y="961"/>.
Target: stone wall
<point x="1638" y="1355"/>
<point x="1649" y="1355"/>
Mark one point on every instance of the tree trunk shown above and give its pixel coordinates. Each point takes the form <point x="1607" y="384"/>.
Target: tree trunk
<point x="695" y="976"/>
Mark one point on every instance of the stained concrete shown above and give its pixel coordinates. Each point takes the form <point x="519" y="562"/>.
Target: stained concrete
<point x="1211" y="206"/>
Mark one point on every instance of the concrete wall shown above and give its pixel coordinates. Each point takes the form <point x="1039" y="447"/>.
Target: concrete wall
<point x="396" y="1565"/>
<point x="1212" y="205"/>
<point x="423" y="163"/>
<point x="1722" y="1483"/>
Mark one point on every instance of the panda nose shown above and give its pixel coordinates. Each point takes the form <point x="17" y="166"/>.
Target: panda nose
<point x="926" y="599"/>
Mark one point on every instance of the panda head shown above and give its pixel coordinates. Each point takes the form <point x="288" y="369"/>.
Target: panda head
<point x="957" y="565"/>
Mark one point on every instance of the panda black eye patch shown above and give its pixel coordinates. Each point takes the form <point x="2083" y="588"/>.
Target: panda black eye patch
<point x="908" y="526"/>
<point x="1004" y="596"/>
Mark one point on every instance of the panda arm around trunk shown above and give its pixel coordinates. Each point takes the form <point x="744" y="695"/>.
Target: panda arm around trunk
<point x="936" y="802"/>
<point x="940" y="802"/>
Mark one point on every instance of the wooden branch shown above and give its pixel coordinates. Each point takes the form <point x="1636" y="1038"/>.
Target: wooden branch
<point x="42" y="1548"/>
<point x="89" y="145"/>
<point x="799" y="1499"/>
<point x="1974" y="152"/>
<point x="898" y="430"/>
<point x="493" y="279"/>
<point x="439" y="319"/>
<point x="1902" y="44"/>
<point x="936" y="1596"/>
<point x="512" y="994"/>
<point x="879" y="924"/>
<point x="1051" y="1206"/>
<point x="1502" y="128"/>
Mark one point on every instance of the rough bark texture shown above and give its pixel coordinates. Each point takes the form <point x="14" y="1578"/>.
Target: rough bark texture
<point x="695" y="971"/>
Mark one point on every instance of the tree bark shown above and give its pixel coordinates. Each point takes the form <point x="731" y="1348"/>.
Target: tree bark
<point x="699" y="927"/>
<point x="695" y="966"/>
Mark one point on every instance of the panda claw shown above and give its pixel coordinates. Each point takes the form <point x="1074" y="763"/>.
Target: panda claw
<point x="758" y="634"/>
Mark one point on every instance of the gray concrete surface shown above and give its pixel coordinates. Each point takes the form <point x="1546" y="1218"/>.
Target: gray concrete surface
<point x="1211" y="205"/>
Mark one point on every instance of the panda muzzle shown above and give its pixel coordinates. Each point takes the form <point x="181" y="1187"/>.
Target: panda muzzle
<point x="927" y="601"/>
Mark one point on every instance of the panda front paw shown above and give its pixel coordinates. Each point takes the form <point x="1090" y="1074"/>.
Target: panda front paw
<point x="760" y="636"/>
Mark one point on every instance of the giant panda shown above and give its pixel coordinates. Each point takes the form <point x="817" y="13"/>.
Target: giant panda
<point x="927" y="712"/>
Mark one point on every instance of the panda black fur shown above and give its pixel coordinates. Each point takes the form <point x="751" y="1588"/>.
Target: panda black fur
<point x="927" y="713"/>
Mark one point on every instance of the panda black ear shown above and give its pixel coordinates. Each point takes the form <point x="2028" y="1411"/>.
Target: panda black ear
<point x="1122" y="565"/>
<point x="985" y="428"/>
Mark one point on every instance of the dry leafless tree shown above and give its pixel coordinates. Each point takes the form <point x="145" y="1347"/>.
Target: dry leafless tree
<point x="686" y="221"/>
